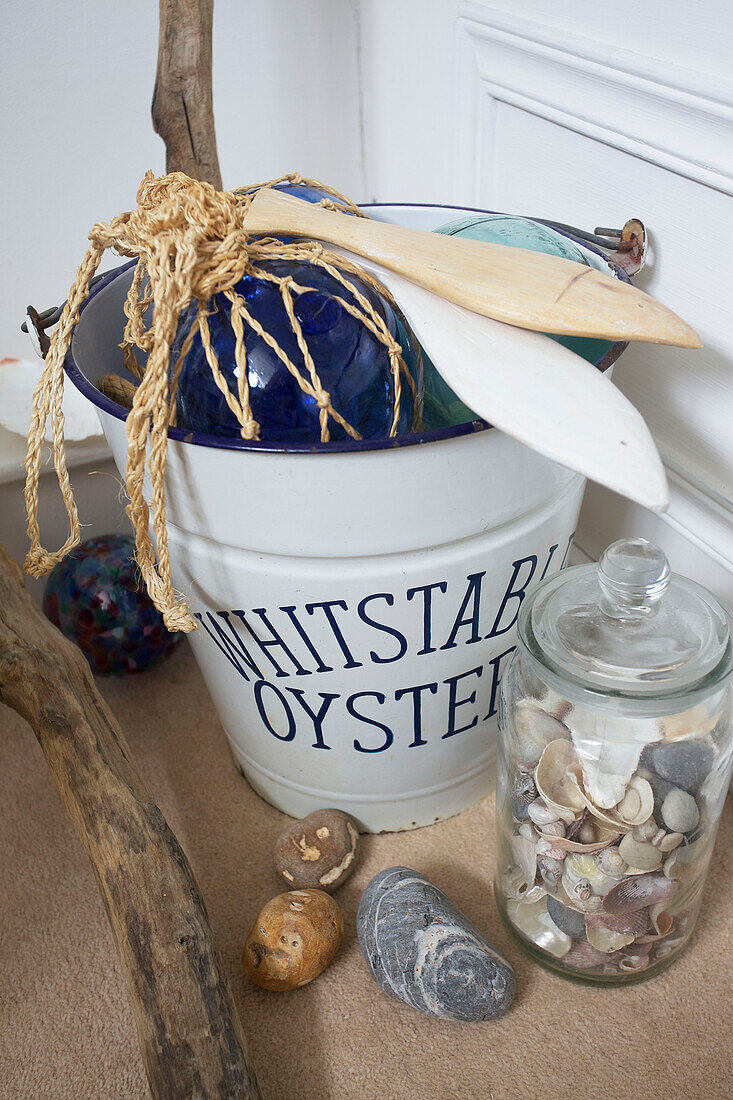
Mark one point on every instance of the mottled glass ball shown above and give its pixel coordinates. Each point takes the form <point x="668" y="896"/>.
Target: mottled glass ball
<point x="97" y="598"/>
<point x="352" y="364"/>
<point x="442" y="406"/>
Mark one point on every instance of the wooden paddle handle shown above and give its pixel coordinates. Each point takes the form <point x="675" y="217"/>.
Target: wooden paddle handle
<point x="190" y="1035"/>
<point x="527" y="289"/>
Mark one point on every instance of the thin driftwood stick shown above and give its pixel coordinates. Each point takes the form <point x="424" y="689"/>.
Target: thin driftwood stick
<point x="183" y="102"/>
<point x="191" y="1038"/>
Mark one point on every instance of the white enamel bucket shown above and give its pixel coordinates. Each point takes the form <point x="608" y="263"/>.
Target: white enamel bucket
<point x="357" y="603"/>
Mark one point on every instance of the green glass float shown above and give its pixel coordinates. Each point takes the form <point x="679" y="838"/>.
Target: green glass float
<point x="442" y="407"/>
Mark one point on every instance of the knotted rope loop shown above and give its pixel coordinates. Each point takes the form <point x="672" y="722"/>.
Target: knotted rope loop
<point x="191" y="243"/>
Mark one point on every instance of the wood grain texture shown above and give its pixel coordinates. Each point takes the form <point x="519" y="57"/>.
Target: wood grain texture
<point x="527" y="289"/>
<point x="183" y="106"/>
<point x="190" y="1035"/>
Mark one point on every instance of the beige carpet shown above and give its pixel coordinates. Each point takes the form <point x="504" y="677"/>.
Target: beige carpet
<point x="66" y="1030"/>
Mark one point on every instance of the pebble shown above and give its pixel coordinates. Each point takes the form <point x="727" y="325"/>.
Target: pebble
<point x="684" y="764"/>
<point x="567" y="920"/>
<point x="293" y="939"/>
<point x="679" y="811"/>
<point x="318" y="852"/>
<point x="422" y="950"/>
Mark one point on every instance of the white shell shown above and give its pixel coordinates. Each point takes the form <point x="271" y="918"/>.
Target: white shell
<point x="533" y="920"/>
<point x="18" y="378"/>
<point x="525" y="856"/>
<point x="603" y="939"/>
<point x="609" y="747"/>
<point x="534" y="729"/>
<point x="515" y="885"/>
<point x="556" y="783"/>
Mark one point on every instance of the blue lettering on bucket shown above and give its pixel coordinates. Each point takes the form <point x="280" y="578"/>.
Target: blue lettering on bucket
<point x="280" y="639"/>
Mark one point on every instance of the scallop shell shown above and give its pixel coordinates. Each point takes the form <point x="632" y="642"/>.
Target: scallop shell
<point x="556" y="783"/>
<point x="638" y="892"/>
<point x="582" y="956"/>
<point x="534" y="729"/>
<point x="636" y="923"/>
<point x="18" y="378"/>
<point x="534" y="922"/>
<point x="609" y="747"/>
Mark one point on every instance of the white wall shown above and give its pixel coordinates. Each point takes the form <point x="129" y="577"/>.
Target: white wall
<point x="589" y="113"/>
<point x="76" y="81"/>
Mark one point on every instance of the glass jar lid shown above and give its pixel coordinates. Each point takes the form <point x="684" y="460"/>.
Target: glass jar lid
<point x="626" y="625"/>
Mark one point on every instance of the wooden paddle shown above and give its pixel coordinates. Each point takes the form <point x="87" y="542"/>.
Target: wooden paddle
<point x="535" y="390"/>
<point x="526" y="289"/>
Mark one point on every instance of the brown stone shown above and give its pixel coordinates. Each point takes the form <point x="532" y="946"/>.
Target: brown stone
<point x="293" y="939"/>
<point x="317" y="853"/>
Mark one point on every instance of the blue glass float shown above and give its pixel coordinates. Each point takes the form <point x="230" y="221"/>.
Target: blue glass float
<point x="442" y="406"/>
<point x="352" y="364"/>
<point x="97" y="598"/>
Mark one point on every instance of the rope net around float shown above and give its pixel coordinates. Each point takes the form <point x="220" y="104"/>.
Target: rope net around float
<point x="191" y="243"/>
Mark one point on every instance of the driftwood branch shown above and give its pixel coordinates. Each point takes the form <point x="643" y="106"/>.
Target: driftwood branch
<point x="183" y="103"/>
<point x="191" y="1038"/>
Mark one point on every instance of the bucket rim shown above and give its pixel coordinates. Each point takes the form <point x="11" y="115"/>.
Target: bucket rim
<point x="347" y="446"/>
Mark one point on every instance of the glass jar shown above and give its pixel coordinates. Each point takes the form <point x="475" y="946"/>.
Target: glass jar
<point x="614" y="760"/>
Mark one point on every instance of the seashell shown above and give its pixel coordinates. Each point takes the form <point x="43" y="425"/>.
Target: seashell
<point x="534" y="922"/>
<point x="603" y="840"/>
<point x="553" y="829"/>
<point x="541" y="814"/>
<point x="528" y="831"/>
<point x="18" y="378"/>
<point x="632" y="963"/>
<point x="534" y="729"/>
<point x="606" y="940"/>
<point x="691" y="723"/>
<point x="611" y="862"/>
<point x="549" y="849"/>
<point x="639" y="892"/>
<point x="524" y="790"/>
<point x="688" y="859"/>
<point x="514" y="884"/>
<point x="662" y="922"/>
<point x="637" y="804"/>
<point x="646" y="831"/>
<point x="582" y="956"/>
<point x="585" y="868"/>
<point x="555" y="704"/>
<point x="609" y="747"/>
<point x="679" y="811"/>
<point x="555" y="782"/>
<point x="636" y="923"/>
<point x="568" y="920"/>
<point x="550" y="870"/>
<point x="634" y="808"/>
<point x="641" y="855"/>
<point x="669" y="841"/>
<point x="523" y="851"/>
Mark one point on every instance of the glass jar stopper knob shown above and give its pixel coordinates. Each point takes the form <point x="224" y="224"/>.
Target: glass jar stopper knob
<point x="633" y="575"/>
